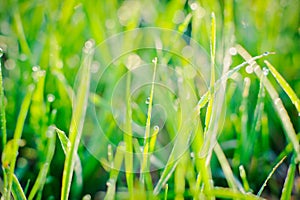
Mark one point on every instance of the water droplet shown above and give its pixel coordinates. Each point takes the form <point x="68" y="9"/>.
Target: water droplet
<point x="192" y="155"/>
<point x="277" y="101"/>
<point x="232" y="51"/>
<point x="249" y="69"/>
<point x="266" y="53"/>
<point x="1" y="52"/>
<point x="194" y="6"/>
<point x="154" y="60"/>
<point x="265" y="71"/>
<point x="147" y="100"/>
<point x="50" y="98"/>
<point x="299" y="114"/>
<point x="35" y="68"/>
<point x="156" y="128"/>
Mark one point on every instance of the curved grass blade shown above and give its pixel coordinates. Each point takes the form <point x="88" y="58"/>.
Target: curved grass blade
<point x="76" y="125"/>
<point x="17" y="136"/>
<point x="285" y="86"/>
<point x="269" y="176"/>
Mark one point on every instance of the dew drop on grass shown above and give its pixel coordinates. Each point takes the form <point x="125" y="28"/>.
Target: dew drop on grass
<point x="266" y="53"/>
<point x="156" y="128"/>
<point x="194" y="6"/>
<point x="35" y="68"/>
<point x="249" y="69"/>
<point x="154" y="60"/>
<point x="50" y="98"/>
<point x="265" y="71"/>
<point x="1" y="52"/>
<point x="147" y="100"/>
<point x="232" y="51"/>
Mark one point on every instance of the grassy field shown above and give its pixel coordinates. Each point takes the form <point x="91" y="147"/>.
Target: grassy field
<point x="170" y="99"/>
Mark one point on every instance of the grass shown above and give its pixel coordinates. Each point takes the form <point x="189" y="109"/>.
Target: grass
<point x="185" y="111"/>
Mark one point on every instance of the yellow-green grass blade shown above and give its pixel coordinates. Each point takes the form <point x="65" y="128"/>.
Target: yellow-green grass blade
<point x="225" y="167"/>
<point x="228" y="193"/>
<point x="285" y="86"/>
<point x="111" y="183"/>
<point x="16" y="138"/>
<point x="77" y="120"/>
<point x="128" y="139"/>
<point x="244" y="178"/>
<point x="144" y="164"/>
<point x="212" y="60"/>
<point x="17" y="190"/>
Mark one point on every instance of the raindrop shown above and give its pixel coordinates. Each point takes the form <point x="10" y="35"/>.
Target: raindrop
<point x="35" y="68"/>
<point x="232" y="51"/>
<point x="156" y="128"/>
<point x="194" y="6"/>
<point x="50" y="98"/>
<point x="277" y="101"/>
<point x="266" y="53"/>
<point x="154" y="60"/>
<point x="249" y="69"/>
<point x="299" y="114"/>
<point x="147" y="100"/>
<point x="265" y="71"/>
<point x="1" y="52"/>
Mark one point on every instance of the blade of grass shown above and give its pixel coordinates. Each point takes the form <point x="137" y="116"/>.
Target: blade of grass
<point x="111" y="183"/>
<point x="41" y="178"/>
<point x="221" y="192"/>
<point x="77" y="120"/>
<point x="145" y="163"/>
<point x="285" y="86"/>
<point x="250" y="142"/>
<point x="2" y="106"/>
<point x="289" y="181"/>
<point x="225" y="167"/>
<point x="166" y="192"/>
<point x="244" y="178"/>
<point x="17" y="190"/>
<point x="128" y="139"/>
<point x="17" y="136"/>
<point x="269" y="176"/>
<point x="212" y="60"/>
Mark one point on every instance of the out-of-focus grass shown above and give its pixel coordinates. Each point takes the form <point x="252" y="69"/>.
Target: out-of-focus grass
<point x="48" y="36"/>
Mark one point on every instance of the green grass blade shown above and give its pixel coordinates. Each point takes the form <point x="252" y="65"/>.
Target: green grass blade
<point x="144" y="164"/>
<point x="17" y="136"/>
<point x="2" y="106"/>
<point x="269" y="176"/>
<point x="41" y="179"/>
<point x="166" y="192"/>
<point x="213" y="76"/>
<point x="111" y="183"/>
<point x="285" y="86"/>
<point x="231" y="194"/>
<point x="128" y="139"/>
<point x="225" y="167"/>
<point x="244" y="178"/>
<point x="289" y="181"/>
<point x="77" y="120"/>
<point x="17" y="190"/>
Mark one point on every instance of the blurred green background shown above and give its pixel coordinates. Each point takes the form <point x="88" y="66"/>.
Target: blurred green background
<point x="49" y="35"/>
